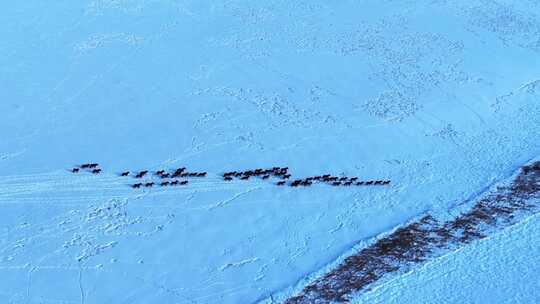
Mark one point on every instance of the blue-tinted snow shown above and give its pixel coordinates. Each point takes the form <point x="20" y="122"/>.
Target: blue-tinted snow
<point x="442" y="98"/>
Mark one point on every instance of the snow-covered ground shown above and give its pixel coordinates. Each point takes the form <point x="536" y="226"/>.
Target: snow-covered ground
<point x="499" y="269"/>
<point x="441" y="98"/>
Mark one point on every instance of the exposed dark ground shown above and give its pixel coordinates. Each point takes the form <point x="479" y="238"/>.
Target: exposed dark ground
<point x="421" y="240"/>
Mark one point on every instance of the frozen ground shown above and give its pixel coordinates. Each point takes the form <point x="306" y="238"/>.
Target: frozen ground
<point x="441" y="97"/>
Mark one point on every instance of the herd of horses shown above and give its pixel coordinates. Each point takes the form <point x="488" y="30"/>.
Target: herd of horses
<point x="281" y="175"/>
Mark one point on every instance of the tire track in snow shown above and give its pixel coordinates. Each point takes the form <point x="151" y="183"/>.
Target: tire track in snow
<point x="47" y="187"/>
<point x="97" y="213"/>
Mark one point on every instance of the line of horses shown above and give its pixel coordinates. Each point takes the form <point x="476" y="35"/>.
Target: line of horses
<point x="172" y="177"/>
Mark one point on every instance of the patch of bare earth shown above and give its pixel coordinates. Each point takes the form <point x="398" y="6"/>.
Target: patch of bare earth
<point x="424" y="239"/>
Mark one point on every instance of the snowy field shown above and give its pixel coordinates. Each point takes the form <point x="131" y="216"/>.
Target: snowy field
<point x="442" y="98"/>
<point x="500" y="269"/>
